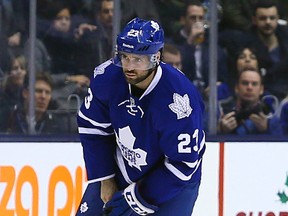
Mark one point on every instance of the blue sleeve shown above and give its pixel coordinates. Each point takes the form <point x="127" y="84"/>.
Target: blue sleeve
<point x="182" y="141"/>
<point x="96" y="133"/>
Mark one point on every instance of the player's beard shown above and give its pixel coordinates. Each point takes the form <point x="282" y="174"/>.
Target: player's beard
<point x="140" y="76"/>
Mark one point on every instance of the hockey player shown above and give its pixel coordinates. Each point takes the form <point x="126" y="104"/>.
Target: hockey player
<point x="141" y="131"/>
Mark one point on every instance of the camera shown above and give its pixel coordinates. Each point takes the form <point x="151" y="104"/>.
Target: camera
<point x="246" y="112"/>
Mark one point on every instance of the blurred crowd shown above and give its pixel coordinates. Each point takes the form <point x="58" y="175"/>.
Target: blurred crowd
<point x="74" y="36"/>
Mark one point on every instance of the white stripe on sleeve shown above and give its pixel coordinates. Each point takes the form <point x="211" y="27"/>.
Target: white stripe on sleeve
<point x="103" y="125"/>
<point x="177" y="172"/>
<point x="92" y="131"/>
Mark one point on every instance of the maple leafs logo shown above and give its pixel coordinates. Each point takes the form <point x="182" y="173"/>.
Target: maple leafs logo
<point x="282" y="195"/>
<point x="101" y="68"/>
<point x="155" y="25"/>
<point x="135" y="157"/>
<point x="181" y="106"/>
<point x="83" y="207"/>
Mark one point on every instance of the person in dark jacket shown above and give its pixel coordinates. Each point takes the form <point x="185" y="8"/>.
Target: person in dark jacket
<point x="270" y="40"/>
<point x="248" y="114"/>
<point x="193" y="41"/>
<point x="44" y="123"/>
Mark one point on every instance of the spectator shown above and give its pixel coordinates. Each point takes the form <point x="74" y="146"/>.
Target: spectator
<point x="237" y="14"/>
<point x="172" y="55"/>
<point x="14" y="24"/>
<point x="12" y="86"/>
<point x="270" y="41"/>
<point x="56" y="31"/>
<point x="248" y="114"/>
<point x="13" y="82"/>
<point x="193" y="42"/>
<point x="246" y="58"/>
<point x="95" y="38"/>
<point x="45" y="123"/>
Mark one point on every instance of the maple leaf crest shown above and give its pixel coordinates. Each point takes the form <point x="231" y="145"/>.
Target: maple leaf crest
<point x="83" y="207"/>
<point x="155" y="25"/>
<point x="135" y="157"/>
<point x="181" y="106"/>
<point x="101" y="68"/>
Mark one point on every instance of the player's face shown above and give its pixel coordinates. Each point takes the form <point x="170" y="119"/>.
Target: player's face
<point x="249" y="87"/>
<point x="136" y="68"/>
<point x="247" y="60"/>
<point x="266" y="20"/>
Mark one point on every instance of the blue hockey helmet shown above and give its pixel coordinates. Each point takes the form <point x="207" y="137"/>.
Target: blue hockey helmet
<point x="141" y="37"/>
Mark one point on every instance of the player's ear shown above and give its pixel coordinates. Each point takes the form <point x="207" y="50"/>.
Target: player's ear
<point x="158" y="56"/>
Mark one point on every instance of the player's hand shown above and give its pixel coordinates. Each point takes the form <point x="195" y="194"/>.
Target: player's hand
<point x="260" y="120"/>
<point x="128" y="203"/>
<point x="108" y="188"/>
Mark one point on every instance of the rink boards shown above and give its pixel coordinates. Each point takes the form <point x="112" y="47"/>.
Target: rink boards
<point x="239" y="179"/>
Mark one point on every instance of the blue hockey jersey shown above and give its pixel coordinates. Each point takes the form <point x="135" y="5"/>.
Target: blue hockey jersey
<point x="157" y="139"/>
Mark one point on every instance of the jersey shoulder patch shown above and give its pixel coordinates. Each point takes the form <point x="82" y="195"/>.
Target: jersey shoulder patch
<point x="181" y="106"/>
<point x="101" y="68"/>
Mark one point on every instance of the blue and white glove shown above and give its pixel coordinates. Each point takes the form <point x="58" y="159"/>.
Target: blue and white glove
<point x="128" y="203"/>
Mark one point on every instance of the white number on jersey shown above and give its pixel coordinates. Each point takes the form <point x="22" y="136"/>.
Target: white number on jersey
<point x="88" y="99"/>
<point x="185" y="140"/>
<point x="183" y="145"/>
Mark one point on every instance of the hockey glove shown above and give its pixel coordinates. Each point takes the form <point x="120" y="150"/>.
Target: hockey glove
<point x="128" y="203"/>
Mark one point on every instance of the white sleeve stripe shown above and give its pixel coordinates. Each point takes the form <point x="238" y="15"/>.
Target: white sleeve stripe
<point x="121" y="165"/>
<point x="191" y="165"/>
<point x="92" y="131"/>
<point x="101" y="179"/>
<point x="178" y="173"/>
<point x="103" y="125"/>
